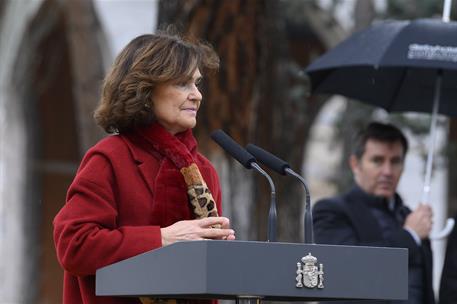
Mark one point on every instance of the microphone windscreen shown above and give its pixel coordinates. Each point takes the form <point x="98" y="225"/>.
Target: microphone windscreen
<point x="268" y="159"/>
<point x="233" y="148"/>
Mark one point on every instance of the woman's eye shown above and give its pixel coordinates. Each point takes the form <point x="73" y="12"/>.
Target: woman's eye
<point x="182" y="84"/>
<point x="190" y="83"/>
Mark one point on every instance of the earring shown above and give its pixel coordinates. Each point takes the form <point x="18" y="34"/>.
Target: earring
<point x="147" y="106"/>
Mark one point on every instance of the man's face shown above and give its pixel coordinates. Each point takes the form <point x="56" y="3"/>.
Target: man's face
<point x="379" y="169"/>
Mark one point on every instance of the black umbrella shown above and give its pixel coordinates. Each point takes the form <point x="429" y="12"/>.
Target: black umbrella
<point x="394" y="65"/>
<point x="399" y="66"/>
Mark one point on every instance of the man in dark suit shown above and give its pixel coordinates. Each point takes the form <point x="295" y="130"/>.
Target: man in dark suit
<point x="373" y="214"/>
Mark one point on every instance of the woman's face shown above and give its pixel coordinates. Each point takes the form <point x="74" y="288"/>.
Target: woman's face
<point x="175" y="106"/>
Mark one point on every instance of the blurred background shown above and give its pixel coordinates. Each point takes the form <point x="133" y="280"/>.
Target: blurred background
<point x="54" y="54"/>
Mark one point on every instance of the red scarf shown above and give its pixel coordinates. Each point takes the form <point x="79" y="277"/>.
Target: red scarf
<point x="176" y="149"/>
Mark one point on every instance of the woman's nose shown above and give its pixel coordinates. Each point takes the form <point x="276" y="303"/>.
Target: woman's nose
<point x="195" y="95"/>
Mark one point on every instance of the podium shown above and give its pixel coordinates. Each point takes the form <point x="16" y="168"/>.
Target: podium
<point x="214" y="269"/>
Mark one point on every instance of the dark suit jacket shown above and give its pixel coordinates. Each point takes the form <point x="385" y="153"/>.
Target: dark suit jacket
<point x="448" y="287"/>
<point x="348" y="220"/>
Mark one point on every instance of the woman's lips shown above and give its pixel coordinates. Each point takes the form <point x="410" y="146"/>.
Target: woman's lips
<point x="192" y="111"/>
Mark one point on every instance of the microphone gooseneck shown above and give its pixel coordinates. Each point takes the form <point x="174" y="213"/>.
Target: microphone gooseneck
<point x="249" y="162"/>
<point x="282" y="167"/>
<point x="272" y="215"/>
<point x="308" y="217"/>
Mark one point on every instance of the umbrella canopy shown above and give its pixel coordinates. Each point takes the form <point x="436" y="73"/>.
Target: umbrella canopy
<point x="393" y="65"/>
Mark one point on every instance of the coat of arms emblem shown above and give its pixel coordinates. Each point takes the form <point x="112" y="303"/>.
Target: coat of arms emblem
<point x="308" y="274"/>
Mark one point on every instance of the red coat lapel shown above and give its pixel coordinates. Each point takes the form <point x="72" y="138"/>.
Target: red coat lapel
<point x="148" y="166"/>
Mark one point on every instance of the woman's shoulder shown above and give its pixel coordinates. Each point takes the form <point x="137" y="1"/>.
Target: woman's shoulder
<point x="110" y="144"/>
<point x="112" y="151"/>
<point x="120" y="148"/>
<point x="107" y="150"/>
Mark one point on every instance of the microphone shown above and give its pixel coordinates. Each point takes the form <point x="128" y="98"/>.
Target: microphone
<point x="283" y="168"/>
<point x="249" y="162"/>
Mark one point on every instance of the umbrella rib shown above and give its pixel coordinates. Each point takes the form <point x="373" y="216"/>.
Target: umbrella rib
<point x="397" y="90"/>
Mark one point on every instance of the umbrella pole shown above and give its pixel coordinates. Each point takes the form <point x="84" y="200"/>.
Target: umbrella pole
<point x="447" y="10"/>
<point x="428" y="169"/>
<point x="432" y="144"/>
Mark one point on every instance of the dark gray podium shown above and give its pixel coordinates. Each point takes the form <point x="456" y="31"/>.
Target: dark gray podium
<point x="242" y="270"/>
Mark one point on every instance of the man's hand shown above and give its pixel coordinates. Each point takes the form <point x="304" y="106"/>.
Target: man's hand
<point x="420" y="220"/>
<point x="198" y="230"/>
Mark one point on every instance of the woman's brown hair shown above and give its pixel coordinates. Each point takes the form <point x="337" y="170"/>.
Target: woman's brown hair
<point x="147" y="61"/>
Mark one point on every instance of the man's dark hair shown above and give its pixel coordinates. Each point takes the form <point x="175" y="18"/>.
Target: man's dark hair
<point x="387" y="133"/>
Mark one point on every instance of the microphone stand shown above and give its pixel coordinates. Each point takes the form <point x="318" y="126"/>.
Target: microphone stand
<point x="272" y="216"/>
<point x="308" y="219"/>
<point x="248" y="161"/>
<point x="283" y="168"/>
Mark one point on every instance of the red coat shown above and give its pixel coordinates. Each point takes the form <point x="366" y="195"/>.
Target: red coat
<point x="120" y="198"/>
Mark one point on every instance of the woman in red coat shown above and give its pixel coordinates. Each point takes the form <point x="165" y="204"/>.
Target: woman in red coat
<point x="146" y="185"/>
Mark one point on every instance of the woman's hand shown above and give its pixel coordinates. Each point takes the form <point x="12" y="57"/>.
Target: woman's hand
<point x="198" y="230"/>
